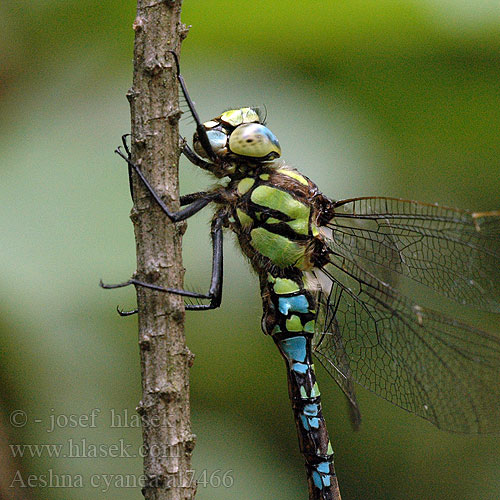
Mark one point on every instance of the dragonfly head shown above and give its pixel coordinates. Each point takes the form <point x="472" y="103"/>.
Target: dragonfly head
<point x="239" y="134"/>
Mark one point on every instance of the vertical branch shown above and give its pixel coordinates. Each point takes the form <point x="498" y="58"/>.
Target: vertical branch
<point x="165" y="359"/>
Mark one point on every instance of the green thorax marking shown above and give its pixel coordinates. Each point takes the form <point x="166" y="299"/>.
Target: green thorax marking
<point x="279" y="249"/>
<point x="294" y="175"/>
<point x="267" y="234"/>
<point x="276" y="199"/>
<point x="283" y="285"/>
<point x="245" y="185"/>
<point x="245" y="219"/>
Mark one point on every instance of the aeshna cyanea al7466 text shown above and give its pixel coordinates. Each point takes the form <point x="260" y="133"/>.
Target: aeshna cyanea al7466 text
<point x="332" y="275"/>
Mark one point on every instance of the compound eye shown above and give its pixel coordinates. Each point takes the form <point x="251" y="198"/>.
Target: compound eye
<point x="254" y="140"/>
<point x="217" y="139"/>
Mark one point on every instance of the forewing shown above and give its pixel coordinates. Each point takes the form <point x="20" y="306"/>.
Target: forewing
<point x="454" y="252"/>
<point x="439" y="368"/>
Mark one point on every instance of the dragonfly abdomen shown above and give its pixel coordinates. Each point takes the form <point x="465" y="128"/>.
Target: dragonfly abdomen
<point x="289" y="317"/>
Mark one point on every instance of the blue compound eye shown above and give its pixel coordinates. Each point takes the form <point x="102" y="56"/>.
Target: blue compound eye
<point x="217" y="139"/>
<point x="255" y="141"/>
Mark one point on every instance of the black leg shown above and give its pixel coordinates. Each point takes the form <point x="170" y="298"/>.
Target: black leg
<point x="195" y="159"/>
<point x="127" y="151"/>
<point x="187" y="199"/>
<point x="215" y="291"/>
<point x="123" y="313"/>
<point x="183" y="214"/>
<point x="125" y="145"/>
<point x="202" y="133"/>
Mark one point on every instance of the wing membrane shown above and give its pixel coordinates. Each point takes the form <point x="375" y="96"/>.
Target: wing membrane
<point x="439" y="368"/>
<point x="342" y="375"/>
<point x="454" y="252"/>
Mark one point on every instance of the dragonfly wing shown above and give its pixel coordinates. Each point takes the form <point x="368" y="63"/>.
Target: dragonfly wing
<point x="439" y="368"/>
<point x="454" y="252"/>
<point x="341" y="374"/>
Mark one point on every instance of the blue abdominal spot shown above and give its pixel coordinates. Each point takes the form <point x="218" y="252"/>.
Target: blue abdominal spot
<point x="294" y="348"/>
<point x="305" y="422"/>
<point x="314" y="423"/>
<point x="324" y="467"/>
<point x="297" y="303"/>
<point x="321" y="476"/>
<point x="300" y="367"/>
<point x="317" y="480"/>
<point x="309" y="418"/>
<point x="311" y="410"/>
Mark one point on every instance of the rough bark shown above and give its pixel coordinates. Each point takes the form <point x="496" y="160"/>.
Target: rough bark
<point x="165" y="359"/>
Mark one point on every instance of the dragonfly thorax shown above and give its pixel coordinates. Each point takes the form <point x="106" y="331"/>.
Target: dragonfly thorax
<point x="239" y="136"/>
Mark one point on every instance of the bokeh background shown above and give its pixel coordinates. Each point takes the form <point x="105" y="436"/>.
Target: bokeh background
<point x="387" y="97"/>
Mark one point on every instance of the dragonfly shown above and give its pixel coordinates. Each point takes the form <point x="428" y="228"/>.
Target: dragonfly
<point x="341" y="280"/>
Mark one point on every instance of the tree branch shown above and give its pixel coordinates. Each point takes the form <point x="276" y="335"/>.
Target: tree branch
<point x="165" y="359"/>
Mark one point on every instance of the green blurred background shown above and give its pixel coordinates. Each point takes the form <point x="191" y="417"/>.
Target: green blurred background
<point x="387" y="98"/>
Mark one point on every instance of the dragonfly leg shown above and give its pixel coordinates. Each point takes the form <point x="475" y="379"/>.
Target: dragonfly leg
<point x="187" y="199"/>
<point x="129" y="155"/>
<point x="125" y="145"/>
<point x="200" y="129"/>
<point x="181" y="215"/>
<point x="195" y="159"/>
<point x="215" y="291"/>
<point x="123" y="313"/>
<point x="188" y="152"/>
<point x="195" y="202"/>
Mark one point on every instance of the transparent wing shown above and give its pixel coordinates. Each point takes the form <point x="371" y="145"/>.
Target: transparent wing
<point x="342" y="375"/>
<point x="454" y="252"/>
<point x="439" y="368"/>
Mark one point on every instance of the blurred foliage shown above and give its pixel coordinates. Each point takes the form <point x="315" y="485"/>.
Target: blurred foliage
<point x="390" y="98"/>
